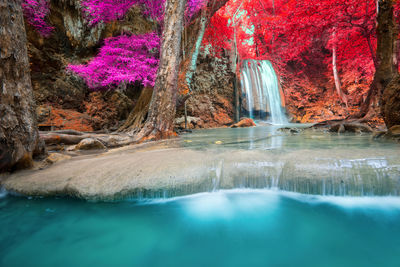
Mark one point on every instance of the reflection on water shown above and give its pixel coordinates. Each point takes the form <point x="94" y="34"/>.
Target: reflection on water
<point x="225" y="228"/>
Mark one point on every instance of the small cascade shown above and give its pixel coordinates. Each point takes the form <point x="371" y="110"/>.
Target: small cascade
<point x="263" y="98"/>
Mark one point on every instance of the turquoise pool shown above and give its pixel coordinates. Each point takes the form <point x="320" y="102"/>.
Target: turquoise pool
<point x="240" y="227"/>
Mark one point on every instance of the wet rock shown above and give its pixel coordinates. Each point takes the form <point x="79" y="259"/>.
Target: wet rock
<point x="379" y="134"/>
<point x="89" y="144"/>
<point x="393" y="133"/>
<point x="247" y="122"/>
<point x="290" y="130"/>
<point x="338" y="126"/>
<point x="350" y="128"/>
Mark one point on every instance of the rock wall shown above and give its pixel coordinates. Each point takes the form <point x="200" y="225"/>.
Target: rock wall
<point x="211" y="103"/>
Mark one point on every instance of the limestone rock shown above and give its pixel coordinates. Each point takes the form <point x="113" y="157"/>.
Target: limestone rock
<point x="89" y="144"/>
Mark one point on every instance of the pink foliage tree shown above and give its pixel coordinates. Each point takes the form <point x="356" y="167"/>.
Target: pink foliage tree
<point x="36" y="12"/>
<point x="122" y="59"/>
<point x="125" y="59"/>
<point x="97" y="11"/>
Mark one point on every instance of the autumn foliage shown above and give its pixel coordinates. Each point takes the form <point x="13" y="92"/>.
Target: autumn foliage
<point x="299" y="37"/>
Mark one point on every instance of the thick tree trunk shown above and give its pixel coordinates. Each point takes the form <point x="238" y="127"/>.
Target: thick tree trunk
<point x="196" y="49"/>
<point x="390" y="100"/>
<point x="136" y="118"/>
<point x="386" y="66"/>
<point x="160" y="120"/>
<point x="18" y="132"/>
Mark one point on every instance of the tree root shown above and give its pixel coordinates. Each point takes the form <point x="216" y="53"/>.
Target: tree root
<point x="109" y="140"/>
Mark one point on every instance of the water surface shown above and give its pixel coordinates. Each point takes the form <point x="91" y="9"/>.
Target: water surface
<point x="350" y="215"/>
<point x="225" y="228"/>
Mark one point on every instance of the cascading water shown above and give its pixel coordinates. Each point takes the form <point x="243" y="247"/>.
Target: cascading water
<point x="261" y="91"/>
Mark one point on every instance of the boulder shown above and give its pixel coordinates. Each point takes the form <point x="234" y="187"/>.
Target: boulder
<point x="89" y="144"/>
<point x="247" y="122"/>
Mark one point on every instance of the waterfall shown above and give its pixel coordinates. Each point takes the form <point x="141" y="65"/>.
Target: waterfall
<point x="260" y="87"/>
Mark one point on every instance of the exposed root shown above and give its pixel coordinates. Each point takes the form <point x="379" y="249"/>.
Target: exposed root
<point x="138" y="115"/>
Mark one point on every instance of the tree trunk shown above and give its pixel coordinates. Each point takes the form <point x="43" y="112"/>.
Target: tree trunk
<point x="336" y="77"/>
<point x="160" y="120"/>
<point x="390" y="80"/>
<point x="194" y="37"/>
<point x="18" y="130"/>
<point x="386" y="67"/>
<point x="196" y="49"/>
<point x="234" y="60"/>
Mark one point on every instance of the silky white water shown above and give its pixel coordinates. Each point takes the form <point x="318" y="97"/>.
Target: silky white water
<point x="260" y="88"/>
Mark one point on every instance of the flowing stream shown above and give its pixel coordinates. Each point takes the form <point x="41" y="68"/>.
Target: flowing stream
<point x="260" y="87"/>
<point x="269" y="198"/>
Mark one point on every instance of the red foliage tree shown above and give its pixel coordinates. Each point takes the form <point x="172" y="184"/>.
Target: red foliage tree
<point x="303" y="35"/>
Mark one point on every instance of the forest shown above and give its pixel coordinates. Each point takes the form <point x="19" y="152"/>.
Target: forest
<point x="203" y="110"/>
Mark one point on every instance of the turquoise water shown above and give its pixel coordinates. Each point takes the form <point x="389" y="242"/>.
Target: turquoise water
<point x="239" y="227"/>
<point x="225" y="228"/>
